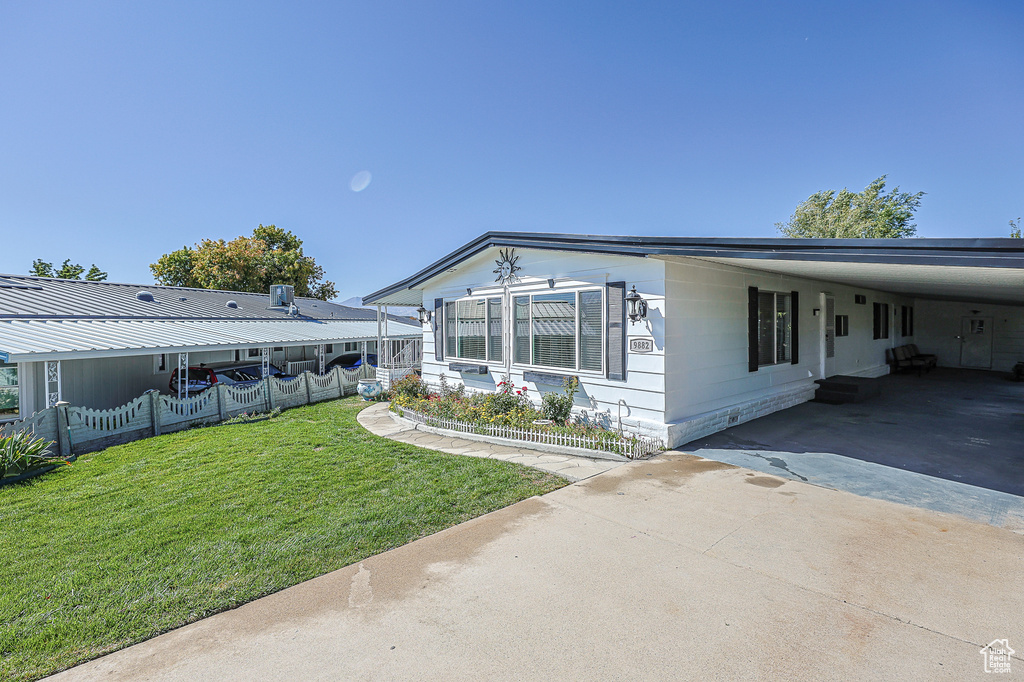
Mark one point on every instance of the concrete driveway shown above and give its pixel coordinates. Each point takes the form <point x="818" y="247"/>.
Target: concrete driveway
<point x="950" y="440"/>
<point x="674" y="568"/>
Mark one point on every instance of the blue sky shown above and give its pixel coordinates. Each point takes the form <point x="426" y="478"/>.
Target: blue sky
<point x="128" y="130"/>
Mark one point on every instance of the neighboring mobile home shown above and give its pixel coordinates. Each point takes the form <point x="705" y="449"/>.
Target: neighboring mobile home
<point x="101" y="344"/>
<point x="734" y="328"/>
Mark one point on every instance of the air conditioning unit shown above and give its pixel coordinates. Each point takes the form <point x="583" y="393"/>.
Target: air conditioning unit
<point x="282" y="295"/>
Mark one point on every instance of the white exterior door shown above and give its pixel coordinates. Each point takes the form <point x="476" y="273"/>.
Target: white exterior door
<point x="827" y="346"/>
<point x="976" y="342"/>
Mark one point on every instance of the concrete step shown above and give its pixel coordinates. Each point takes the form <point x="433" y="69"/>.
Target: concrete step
<point x="846" y="389"/>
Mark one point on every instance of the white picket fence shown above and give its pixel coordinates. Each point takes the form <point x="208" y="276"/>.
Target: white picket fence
<point x="78" y="430"/>
<point x="627" y="445"/>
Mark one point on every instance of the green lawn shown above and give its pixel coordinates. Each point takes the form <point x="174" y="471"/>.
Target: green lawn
<point x="145" y="537"/>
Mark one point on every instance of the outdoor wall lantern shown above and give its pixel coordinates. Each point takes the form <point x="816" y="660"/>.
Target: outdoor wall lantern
<point x="424" y="314"/>
<point x="636" y="307"/>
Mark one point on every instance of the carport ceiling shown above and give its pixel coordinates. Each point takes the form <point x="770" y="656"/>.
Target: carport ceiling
<point x="942" y="282"/>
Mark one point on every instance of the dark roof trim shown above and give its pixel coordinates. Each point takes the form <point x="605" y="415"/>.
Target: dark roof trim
<point x="990" y="253"/>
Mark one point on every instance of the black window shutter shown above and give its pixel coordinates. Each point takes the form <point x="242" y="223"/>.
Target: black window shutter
<point x="616" y="331"/>
<point x="752" y="353"/>
<point x="439" y="329"/>
<point x="795" y="305"/>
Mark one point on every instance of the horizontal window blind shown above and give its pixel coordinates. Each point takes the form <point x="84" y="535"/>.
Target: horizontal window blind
<point x="554" y="330"/>
<point x="591" y="324"/>
<point x="494" y="330"/>
<point x="471" y="330"/>
<point x="521" y="330"/>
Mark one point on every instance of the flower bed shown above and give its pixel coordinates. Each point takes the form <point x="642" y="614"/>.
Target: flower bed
<point x="508" y="413"/>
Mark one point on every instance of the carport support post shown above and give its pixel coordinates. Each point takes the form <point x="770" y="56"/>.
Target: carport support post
<point x="309" y="389"/>
<point x="182" y="376"/>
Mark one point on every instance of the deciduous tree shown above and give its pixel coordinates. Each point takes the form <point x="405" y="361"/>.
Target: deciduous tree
<point x="873" y="213"/>
<point x="67" y="270"/>
<point x="270" y="256"/>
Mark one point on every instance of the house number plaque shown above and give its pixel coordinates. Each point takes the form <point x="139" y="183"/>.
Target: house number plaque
<point x="641" y="345"/>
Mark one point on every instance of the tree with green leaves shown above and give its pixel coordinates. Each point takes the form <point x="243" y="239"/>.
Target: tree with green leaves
<point x="270" y="256"/>
<point x="873" y="213"/>
<point x="67" y="270"/>
<point x="1015" y="226"/>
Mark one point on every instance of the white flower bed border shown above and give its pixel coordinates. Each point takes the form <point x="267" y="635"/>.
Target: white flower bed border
<point x="635" y="447"/>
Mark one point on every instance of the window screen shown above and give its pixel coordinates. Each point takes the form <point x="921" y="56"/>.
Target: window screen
<point x="591" y="324"/>
<point x="8" y="390"/>
<point x="881" y="321"/>
<point x="774" y="328"/>
<point x="494" y="330"/>
<point x="765" y="328"/>
<point x="472" y="329"/>
<point x="783" y="329"/>
<point x="554" y="330"/>
<point x="450" y="322"/>
<point x="521" y="330"/>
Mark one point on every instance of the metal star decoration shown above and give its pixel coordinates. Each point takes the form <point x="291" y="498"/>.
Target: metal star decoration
<point x="507" y="268"/>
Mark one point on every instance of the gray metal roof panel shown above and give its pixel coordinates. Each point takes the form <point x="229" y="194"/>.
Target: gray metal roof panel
<point x="33" y="339"/>
<point x="25" y="297"/>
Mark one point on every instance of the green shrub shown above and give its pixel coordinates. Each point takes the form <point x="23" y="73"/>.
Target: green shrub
<point x="558" y="407"/>
<point x="409" y="386"/>
<point x="23" y="452"/>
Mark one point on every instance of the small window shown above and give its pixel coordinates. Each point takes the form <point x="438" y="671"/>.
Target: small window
<point x="254" y="352"/>
<point x="159" y="363"/>
<point x="907" y="326"/>
<point x="278" y="349"/>
<point x="842" y="325"/>
<point x="9" y="392"/>
<point x="329" y="348"/>
<point x="881" y="321"/>
<point x="774" y="328"/>
<point x="977" y="326"/>
<point x="860" y="299"/>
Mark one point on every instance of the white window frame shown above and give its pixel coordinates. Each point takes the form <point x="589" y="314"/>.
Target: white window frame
<point x="487" y="328"/>
<point x="775" y="328"/>
<point x="577" y="290"/>
<point x="19" y="392"/>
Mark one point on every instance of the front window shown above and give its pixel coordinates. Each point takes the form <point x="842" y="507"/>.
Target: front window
<point x="563" y="330"/>
<point x="774" y="328"/>
<point x="473" y="329"/>
<point x="9" y="401"/>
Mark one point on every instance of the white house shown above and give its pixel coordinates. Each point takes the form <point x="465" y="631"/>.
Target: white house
<point x="101" y="344"/>
<point x="734" y="328"/>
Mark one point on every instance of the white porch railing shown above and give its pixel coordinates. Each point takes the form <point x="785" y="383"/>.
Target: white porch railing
<point x="294" y="369"/>
<point x="401" y="354"/>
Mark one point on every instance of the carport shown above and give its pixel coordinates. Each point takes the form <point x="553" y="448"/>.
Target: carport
<point x="949" y="440"/>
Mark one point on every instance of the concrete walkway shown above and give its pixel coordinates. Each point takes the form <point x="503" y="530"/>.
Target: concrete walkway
<point x="377" y="419"/>
<point x="672" y="568"/>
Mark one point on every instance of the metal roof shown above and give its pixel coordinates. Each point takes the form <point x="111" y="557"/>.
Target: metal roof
<point x="37" y="340"/>
<point x="969" y="254"/>
<point x="24" y="297"/>
<point x="43" y="318"/>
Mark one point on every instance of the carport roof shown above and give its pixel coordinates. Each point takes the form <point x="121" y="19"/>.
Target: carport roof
<point x="990" y="270"/>
<point x="38" y="340"/>
<point x="54" y="319"/>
